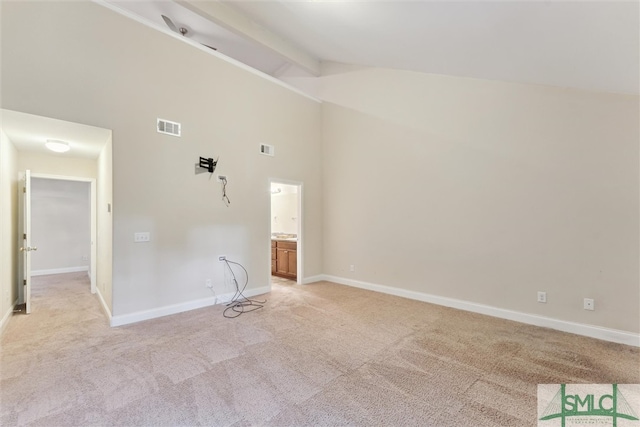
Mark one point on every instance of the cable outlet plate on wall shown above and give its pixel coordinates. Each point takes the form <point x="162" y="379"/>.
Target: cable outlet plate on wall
<point x="589" y="304"/>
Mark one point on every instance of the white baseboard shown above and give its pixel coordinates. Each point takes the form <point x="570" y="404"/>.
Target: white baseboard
<point x="59" y="271"/>
<point x="606" y="334"/>
<point x="5" y="319"/>
<point x="313" y="279"/>
<point x="104" y="305"/>
<point x="139" y="316"/>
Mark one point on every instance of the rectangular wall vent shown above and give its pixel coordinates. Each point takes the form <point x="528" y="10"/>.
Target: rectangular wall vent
<point x="267" y="150"/>
<point x="168" y="127"/>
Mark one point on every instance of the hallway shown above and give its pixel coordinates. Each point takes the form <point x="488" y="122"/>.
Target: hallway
<point x="63" y="307"/>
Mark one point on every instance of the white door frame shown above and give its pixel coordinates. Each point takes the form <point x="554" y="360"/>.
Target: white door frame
<point x="24" y="240"/>
<point x="92" y="212"/>
<point x="300" y="248"/>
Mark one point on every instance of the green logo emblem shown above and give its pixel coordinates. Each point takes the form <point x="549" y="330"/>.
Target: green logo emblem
<point x="587" y="404"/>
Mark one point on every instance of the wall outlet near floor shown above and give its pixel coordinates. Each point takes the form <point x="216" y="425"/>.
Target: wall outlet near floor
<point x="208" y="283"/>
<point x="352" y="267"/>
<point x="542" y="296"/>
<point x="85" y="258"/>
<point x="589" y="304"/>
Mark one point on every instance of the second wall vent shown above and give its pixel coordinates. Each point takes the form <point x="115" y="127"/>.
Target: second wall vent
<point x="267" y="150"/>
<point x="168" y="127"/>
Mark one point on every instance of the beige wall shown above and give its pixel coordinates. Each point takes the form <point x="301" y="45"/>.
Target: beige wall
<point x="52" y="164"/>
<point x="8" y="225"/>
<point x="284" y="209"/>
<point x="483" y="191"/>
<point x="123" y="80"/>
<point x="60" y="225"/>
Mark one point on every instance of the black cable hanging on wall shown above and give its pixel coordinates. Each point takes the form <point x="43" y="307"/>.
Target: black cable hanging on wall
<point x="225" y="199"/>
<point x="209" y="164"/>
<point x="239" y="303"/>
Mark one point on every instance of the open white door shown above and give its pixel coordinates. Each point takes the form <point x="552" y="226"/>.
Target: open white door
<point x="25" y="234"/>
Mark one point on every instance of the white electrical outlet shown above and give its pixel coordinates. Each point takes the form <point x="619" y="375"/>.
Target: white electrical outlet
<point x="142" y="237"/>
<point x="542" y="296"/>
<point x="208" y="283"/>
<point x="352" y="267"/>
<point x="589" y="304"/>
<point x="85" y="258"/>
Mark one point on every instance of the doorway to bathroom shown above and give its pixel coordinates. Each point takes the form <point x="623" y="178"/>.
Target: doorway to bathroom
<point x="286" y="230"/>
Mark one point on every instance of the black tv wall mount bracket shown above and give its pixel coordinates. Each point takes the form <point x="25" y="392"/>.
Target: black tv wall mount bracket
<point x="208" y="163"/>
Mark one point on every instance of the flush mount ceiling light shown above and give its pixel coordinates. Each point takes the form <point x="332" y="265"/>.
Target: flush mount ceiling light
<point x="57" y="146"/>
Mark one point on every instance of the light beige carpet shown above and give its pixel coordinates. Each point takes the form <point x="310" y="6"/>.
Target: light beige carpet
<point x="320" y="354"/>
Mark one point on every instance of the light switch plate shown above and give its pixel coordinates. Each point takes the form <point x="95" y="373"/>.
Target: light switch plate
<point x="141" y="237"/>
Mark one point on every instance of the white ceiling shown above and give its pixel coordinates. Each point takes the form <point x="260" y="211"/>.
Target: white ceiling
<point x="591" y="45"/>
<point x="29" y="133"/>
<point x="582" y="44"/>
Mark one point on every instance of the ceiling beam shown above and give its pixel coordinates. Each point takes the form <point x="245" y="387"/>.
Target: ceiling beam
<point x="238" y="23"/>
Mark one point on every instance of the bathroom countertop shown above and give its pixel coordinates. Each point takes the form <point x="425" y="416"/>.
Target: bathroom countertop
<point x="284" y="237"/>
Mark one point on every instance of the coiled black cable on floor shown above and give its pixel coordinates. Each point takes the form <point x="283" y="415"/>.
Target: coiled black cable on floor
<point x="239" y="303"/>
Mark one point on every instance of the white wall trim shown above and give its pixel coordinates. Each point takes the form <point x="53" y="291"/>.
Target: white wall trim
<point x="168" y="310"/>
<point x="104" y="305"/>
<point x="60" y="271"/>
<point x="7" y="316"/>
<point x="606" y="334"/>
<point x="313" y="279"/>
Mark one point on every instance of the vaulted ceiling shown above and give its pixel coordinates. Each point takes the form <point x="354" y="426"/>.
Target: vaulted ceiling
<point x="592" y="45"/>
